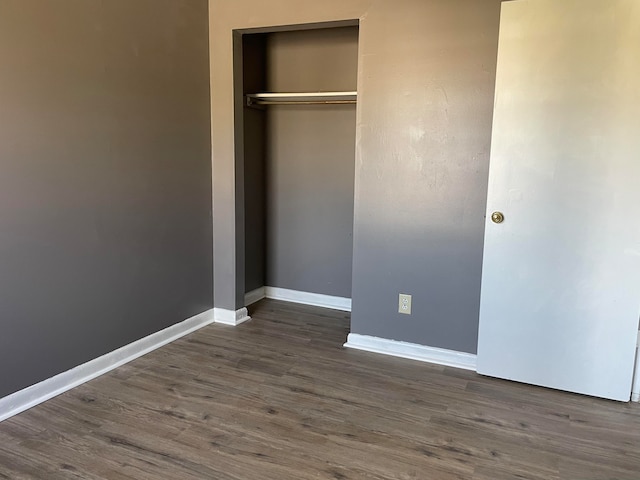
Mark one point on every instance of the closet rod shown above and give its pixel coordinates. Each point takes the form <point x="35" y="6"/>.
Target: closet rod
<point x="302" y="98"/>
<point x="301" y="102"/>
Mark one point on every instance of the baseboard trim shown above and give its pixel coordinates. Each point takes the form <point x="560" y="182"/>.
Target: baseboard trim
<point x="231" y="317"/>
<point x="412" y="351"/>
<point x="635" y="396"/>
<point x="31" y="396"/>
<point x="307" y="298"/>
<point x="254" y="296"/>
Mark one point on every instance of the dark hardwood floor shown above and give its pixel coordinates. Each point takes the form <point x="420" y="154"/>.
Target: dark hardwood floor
<point x="280" y="398"/>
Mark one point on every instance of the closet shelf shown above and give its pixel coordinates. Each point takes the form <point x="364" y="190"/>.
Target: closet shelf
<point x="302" y="98"/>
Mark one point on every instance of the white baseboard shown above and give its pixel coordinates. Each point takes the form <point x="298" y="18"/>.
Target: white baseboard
<point x="254" y="296"/>
<point x="635" y="396"/>
<point x="31" y="396"/>
<point x="306" y="298"/>
<point x="231" y="317"/>
<point x="412" y="351"/>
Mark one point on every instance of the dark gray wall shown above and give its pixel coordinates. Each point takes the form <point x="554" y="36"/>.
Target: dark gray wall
<point x="311" y="162"/>
<point x="254" y="79"/>
<point x="105" y="178"/>
<point x="421" y="175"/>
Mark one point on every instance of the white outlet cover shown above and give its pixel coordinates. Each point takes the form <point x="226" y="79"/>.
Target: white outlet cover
<point x="404" y="304"/>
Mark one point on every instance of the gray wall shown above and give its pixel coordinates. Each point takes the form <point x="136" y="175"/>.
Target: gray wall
<point x="426" y="74"/>
<point x="105" y="178"/>
<point x="422" y="172"/>
<point x="253" y="154"/>
<point x="311" y="163"/>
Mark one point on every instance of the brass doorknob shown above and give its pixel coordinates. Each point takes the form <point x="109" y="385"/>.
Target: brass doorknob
<point x="497" y="217"/>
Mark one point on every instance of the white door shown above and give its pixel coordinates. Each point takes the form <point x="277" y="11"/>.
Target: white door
<point x="561" y="275"/>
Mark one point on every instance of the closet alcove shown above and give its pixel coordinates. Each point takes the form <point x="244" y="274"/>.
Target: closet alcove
<point x="295" y="104"/>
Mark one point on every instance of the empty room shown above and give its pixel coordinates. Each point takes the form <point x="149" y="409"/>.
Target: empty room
<point x="350" y="239"/>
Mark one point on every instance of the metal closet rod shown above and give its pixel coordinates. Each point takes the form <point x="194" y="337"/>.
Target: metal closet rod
<point x="303" y="102"/>
<point x="302" y="98"/>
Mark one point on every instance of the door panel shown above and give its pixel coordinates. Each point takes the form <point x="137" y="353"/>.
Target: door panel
<point x="561" y="275"/>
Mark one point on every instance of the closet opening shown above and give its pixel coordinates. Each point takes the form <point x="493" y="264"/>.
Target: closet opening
<point x="295" y="91"/>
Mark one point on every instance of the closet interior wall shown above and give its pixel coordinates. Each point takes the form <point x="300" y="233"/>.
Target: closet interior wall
<point x="254" y="71"/>
<point x="299" y="162"/>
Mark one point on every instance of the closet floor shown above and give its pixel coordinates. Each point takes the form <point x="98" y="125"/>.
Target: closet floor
<point x="280" y="398"/>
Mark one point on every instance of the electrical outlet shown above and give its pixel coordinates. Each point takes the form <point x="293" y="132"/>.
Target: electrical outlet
<point x="404" y="304"/>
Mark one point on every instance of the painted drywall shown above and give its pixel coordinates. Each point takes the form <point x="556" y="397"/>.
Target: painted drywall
<point x="253" y="78"/>
<point x="105" y="178"/>
<point x="426" y="75"/>
<point x="311" y="163"/>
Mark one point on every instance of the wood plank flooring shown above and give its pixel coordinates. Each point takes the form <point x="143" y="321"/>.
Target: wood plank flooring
<point x="279" y="398"/>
